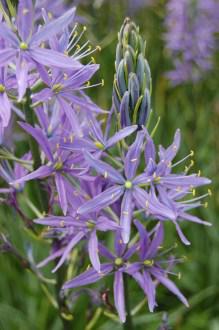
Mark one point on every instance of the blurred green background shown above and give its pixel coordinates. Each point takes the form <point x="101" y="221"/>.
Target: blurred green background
<point x="194" y="108"/>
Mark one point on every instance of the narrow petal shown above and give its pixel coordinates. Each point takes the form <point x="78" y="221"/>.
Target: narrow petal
<point x="41" y="172"/>
<point x="60" y="186"/>
<point x="54" y="27"/>
<point x="123" y="133"/>
<point x="51" y="57"/>
<point x="22" y="77"/>
<point x="150" y="151"/>
<point x="171" y="286"/>
<point x="126" y="215"/>
<point x="102" y="200"/>
<point x="93" y="250"/>
<point x="103" y="168"/>
<point x="180" y="233"/>
<point x="193" y="218"/>
<point x="6" y="55"/>
<point x="133" y="156"/>
<point x="119" y="296"/>
<point x="88" y="277"/>
<point x="8" y="35"/>
<point x="25" y="18"/>
<point x="5" y="109"/>
<point x="68" y="249"/>
<point x="38" y="135"/>
<point x="104" y="224"/>
<point x="71" y="115"/>
<point x="144" y="239"/>
<point x="156" y="242"/>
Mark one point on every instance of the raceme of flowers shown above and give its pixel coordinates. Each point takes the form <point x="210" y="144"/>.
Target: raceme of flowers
<point x="109" y="189"/>
<point x="191" y="44"/>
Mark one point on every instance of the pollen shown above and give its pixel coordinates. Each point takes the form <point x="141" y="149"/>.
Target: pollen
<point x="128" y="184"/>
<point x="23" y="46"/>
<point x="99" y="145"/>
<point x="25" y="11"/>
<point x="2" y="88"/>
<point x="105" y="174"/>
<point x="118" y="261"/>
<point x="209" y="192"/>
<point x="98" y="48"/>
<point x="148" y="262"/>
<point x="134" y="160"/>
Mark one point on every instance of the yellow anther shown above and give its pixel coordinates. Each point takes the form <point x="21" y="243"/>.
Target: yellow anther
<point x="179" y="275"/>
<point x="99" y="145"/>
<point x="193" y="192"/>
<point x="192" y="153"/>
<point x="209" y="192"/>
<point x="93" y="60"/>
<point x="102" y="82"/>
<point x="84" y="28"/>
<point x="2" y="88"/>
<point x="50" y="15"/>
<point x="88" y="83"/>
<point x="192" y="163"/>
<point x="98" y="48"/>
<point x="78" y="47"/>
<point x="118" y="261"/>
<point x="205" y="205"/>
<point x="199" y="173"/>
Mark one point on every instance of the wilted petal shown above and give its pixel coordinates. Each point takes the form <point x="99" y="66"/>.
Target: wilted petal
<point x="60" y="185"/>
<point x="103" y="168"/>
<point x="68" y="249"/>
<point x="102" y="200"/>
<point x="133" y="156"/>
<point x="119" y="297"/>
<point x="88" y="277"/>
<point x="93" y="250"/>
<point x="123" y="133"/>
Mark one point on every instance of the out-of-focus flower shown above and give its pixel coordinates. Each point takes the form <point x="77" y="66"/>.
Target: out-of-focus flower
<point x="190" y="37"/>
<point x="132" y="83"/>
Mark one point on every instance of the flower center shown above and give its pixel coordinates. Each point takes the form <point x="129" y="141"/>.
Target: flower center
<point x="2" y="88"/>
<point x="149" y="262"/>
<point x="58" y="165"/>
<point x="118" y="261"/>
<point x="23" y="46"/>
<point x="57" y="88"/>
<point x="99" y="145"/>
<point x="128" y="184"/>
<point x="90" y="224"/>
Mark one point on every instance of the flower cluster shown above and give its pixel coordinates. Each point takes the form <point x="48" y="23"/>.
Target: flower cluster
<point x="104" y="182"/>
<point x="191" y="43"/>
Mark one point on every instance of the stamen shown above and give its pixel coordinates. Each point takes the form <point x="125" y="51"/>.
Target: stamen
<point x="191" y="154"/>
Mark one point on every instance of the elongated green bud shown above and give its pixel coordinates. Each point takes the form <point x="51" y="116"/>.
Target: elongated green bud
<point x="132" y="83"/>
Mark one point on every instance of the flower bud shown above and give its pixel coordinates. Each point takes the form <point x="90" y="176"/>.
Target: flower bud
<point x="132" y="84"/>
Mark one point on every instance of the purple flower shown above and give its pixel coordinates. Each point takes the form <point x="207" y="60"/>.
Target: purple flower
<point x="126" y="186"/>
<point x="143" y="271"/>
<point x="76" y="228"/>
<point x="58" y="164"/>
<point x="190" y="38"/>
<point x="24" y="45"/>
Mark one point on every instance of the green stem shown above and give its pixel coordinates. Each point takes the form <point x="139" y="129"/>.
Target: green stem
<point x="38" y="193"/>
<point x="128" y="325"/>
